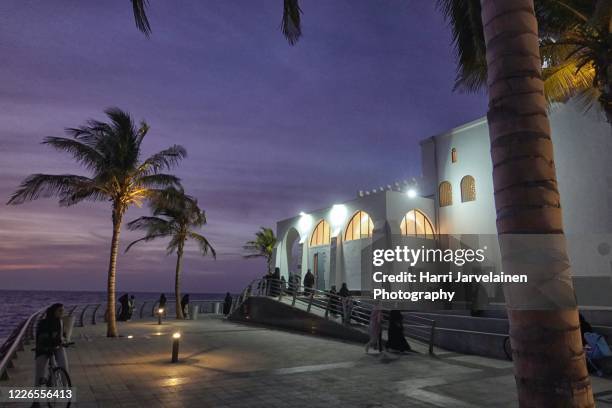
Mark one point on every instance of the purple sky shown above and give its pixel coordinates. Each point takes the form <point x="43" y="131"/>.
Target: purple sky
<point x="270" y="129"/>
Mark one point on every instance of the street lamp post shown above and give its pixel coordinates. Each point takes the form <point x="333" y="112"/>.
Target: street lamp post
<point x="175" y="346"/>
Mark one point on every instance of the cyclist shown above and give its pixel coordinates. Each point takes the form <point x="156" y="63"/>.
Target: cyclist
<point x="49" y="340"/>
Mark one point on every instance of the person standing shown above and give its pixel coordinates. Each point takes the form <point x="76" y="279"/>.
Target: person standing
<point x="185" y="305"/>
<point x="396" y="339"/>
<point x="227" y="304"/>
<point x="49" y="340"/>
<point x="345" y="298"/>
<point x="124" y="301"/>
<point x="131" y="305"/>
<point x="309" y="280"/>
<point x="375" y="329"/>
<point x="162" y="303"/>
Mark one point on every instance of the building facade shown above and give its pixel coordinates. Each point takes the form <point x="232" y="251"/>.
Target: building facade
<point x="451" y="204"/>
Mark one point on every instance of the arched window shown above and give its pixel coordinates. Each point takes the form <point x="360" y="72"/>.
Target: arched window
<point x="446" y="194"/>
<point x="416" y="224"/>
<point x="468" y="189"/>
<point x="453" y="155"/>
<point x="360" y="226"/>
<point x="320" y="235"/>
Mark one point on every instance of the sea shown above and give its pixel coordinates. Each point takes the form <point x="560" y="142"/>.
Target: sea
<point x="16" y="305"/>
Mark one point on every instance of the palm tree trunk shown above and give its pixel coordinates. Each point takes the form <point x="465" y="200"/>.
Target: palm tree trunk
<point x="177" y="282"/>
<point x="549" y="362"/>
<point x="111" y="325"/>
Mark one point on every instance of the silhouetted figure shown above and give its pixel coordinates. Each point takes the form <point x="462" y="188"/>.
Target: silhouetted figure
<point x="585" y="327"/>
<point x="185" y="305"/>
<point x="162" y="301"/>
<point x="333" y="301"/>
<point x="49" y="339"/>
<point x="227" y="304"/>
<point x="375" y="329"/>
<point x="131" y="305"/>
<point x="396" y="339"/>
<point x="345" y="299"/>
<point x="124" y="301"/>
<point x="309" y="281"/>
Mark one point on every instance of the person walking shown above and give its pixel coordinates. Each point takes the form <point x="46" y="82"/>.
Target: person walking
<point x="375" y="329"/>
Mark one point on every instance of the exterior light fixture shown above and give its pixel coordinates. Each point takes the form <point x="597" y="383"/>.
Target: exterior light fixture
<point x="411" y="193"/>
<point x="130" y="336"/>
<point x="176" y="337"/>
<point x="160" y="312"/>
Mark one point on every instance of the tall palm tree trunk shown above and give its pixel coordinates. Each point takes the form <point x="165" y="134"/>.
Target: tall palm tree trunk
<point x="111" y="326"/>
<point x="177" y="282"/>
<point x="549" y="362"/>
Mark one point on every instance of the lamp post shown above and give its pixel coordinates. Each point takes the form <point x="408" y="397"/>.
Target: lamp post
<point x="175" y="346"/>
<point x="160" y="311"/>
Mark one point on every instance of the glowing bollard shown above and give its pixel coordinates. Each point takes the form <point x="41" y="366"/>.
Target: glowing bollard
<point x="175" y="346"/>
<point x="160" y="311"/>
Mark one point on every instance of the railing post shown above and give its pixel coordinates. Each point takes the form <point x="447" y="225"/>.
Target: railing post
<point x="72" y="310"/>
<point x="83" y="316"/>
<point x="93" y="317"/>
<point x="431" y="337"/>
<point x="310" y="302"/>
<point x="328" y="306"/>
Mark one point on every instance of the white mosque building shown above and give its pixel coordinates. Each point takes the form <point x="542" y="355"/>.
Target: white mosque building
<point x="451" y="204"/>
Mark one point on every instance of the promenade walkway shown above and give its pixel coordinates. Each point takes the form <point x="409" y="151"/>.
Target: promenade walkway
<point x="224" y="364"/>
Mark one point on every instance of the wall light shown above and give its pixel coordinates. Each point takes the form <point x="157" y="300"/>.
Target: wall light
<point x="411" y="193"/>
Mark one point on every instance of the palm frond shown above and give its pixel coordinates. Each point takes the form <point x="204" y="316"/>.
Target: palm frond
<point x="146" y="238"/>
<point x="203" y="243"/>
<point x="564" y="81"/>
<point x="151" y="224"/>
<point x="85" y="155"/>
<point x="160" y="181"/>
<point x="164" y="160"/>
<point x="140" y="16"/>
<point x="291" y="24"/>
<point x="47" y="185"/>
<point x="465" y="22"/>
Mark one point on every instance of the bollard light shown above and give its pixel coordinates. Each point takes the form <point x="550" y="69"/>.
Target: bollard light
<point x="160" y="311"/>
<point x="175" y="346"/>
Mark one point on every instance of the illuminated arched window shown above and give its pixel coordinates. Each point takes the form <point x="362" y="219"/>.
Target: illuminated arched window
<point x="453" y="155"/>
<point x="360" y="226"/>
<point x="320" y="235"/>
<point x="446" y="194"/>
<point x="468" y="189"/>
<point x="416" y="224"/>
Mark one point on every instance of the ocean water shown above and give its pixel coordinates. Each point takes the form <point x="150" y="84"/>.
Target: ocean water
<point x="16" y="305"/>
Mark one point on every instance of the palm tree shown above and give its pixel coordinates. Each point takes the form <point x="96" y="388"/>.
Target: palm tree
<point x="175" y="216"/>
<point x="111" y="152"/>
<point x="575" y="46"/>
<point x="290" y="23"/>
<point x="549" y="363"/>
<point x="262" y="246"/>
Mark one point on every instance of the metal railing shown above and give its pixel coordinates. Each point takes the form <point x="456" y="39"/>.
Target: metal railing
<point x="84" y="314"/>
<point x="330" y="305"/>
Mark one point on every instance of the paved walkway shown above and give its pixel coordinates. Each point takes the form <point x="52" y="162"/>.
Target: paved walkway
<point x="225" y="364"/>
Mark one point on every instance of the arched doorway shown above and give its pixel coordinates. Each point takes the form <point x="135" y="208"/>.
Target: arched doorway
<point x="292" y="248"/>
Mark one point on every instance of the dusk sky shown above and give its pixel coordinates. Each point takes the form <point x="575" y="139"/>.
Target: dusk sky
<point x="270" y="129"/>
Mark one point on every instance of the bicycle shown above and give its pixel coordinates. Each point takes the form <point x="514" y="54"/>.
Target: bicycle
<point x="57" y="377"/>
